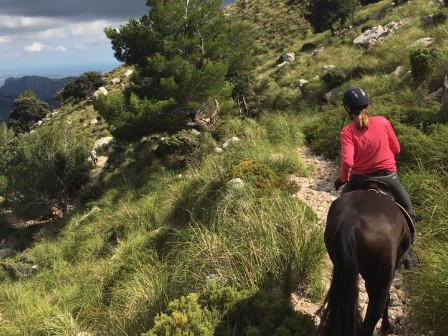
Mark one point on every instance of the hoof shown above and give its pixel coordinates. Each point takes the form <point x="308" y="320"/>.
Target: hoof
<point x="411" y="260"/>
<point x="387" y="330"/>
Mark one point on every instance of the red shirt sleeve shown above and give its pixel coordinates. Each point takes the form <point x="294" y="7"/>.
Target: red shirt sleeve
<point x="347" y="154"/>
<point x="394" y="145"/>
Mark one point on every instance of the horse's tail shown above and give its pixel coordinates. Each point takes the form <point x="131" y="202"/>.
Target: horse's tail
<point x="339" y="314"/>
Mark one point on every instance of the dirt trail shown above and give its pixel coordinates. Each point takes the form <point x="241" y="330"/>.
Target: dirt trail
<point x="318" y="193"/>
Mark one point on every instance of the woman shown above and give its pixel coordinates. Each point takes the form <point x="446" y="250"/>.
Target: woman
<point x="368" y="149"/>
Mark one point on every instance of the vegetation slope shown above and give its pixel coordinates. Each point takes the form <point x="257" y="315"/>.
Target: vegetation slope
<point x="159" y="242"/>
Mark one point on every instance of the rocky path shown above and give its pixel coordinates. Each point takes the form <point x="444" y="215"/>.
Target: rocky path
<point x="318" y="193"/>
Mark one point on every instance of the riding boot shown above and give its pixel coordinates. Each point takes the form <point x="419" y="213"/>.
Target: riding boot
<point x="411" y="260"/>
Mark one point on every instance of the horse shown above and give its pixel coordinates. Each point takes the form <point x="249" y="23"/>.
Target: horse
<point x="366" y="233"/>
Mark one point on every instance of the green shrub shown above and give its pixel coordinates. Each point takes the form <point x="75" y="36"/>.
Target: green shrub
<point x="422" y="117"/>
<point x="225" y="311"/>
<point x="334" y="77"/>
<point x="322" y="134"/>
<point x="415" y="146"/>
<point x="441" y="16"/>
<point x="53" y="167"/>
<point x="308" y="47"/>
<point x="131" y="118"/>
<point x="265" y="314"/>
<point x="82" y="87"/>
<point x="183" y="148"/>
<point x="422" y="60"/>
<point x="258" y="175"/>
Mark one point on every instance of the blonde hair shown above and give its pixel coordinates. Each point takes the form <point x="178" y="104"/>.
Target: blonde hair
<point x="361" y="119"/>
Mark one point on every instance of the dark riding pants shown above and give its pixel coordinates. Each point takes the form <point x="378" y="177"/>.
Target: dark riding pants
<point x="388" y="177"/>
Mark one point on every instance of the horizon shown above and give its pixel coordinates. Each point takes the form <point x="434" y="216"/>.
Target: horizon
<point x="55" y="72"/>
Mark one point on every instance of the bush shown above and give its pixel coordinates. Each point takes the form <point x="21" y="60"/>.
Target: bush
<point x="258" y="175"/>
<point x="52" y="165"/>
<point x="308" y="47"/>
<point x="131" y="118"/>
<point x="27" y="109"/>
<point x="184" y="148"/>
<point x="422" y="60"/>
<point x="322" y="134"/>
<point x="184" y="316"/>
<point x="334" y="77"/>
<point x="265" y="314"/>
<point x="81" y="88"/>
<point x="441" y="16"/>
<point x="226" y="311"/>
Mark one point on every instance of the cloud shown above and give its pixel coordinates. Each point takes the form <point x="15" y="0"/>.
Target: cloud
<point x="75" y="10"/>
<point x="5" y="39"/>
<point x="89" y="33"/>
<point x="58" y="48"/>
<point x="47" y="34"/>
<point x="34" y="47"/>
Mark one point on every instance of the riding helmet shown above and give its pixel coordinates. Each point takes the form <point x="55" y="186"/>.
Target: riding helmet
<point x="355" y="99"/>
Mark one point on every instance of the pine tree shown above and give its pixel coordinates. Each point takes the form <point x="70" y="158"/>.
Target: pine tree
<point x="326" y="14"/>
<point x="186" y="55"/>
<point x="27" y="109"/>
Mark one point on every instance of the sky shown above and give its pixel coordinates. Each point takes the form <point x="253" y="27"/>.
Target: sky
<point x="60" y="37"/>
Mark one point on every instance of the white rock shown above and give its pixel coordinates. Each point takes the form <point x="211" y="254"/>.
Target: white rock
<point x="102" y="90"/>
<point x="230" y="141"/>
<point x="235" y="183"/>
<point x="128" y="73"/>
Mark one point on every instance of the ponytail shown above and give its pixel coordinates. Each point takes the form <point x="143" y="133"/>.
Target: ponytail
<point x="361" y="119"/>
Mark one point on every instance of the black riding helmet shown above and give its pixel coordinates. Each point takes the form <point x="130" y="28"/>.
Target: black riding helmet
<point x="355" y="99"/>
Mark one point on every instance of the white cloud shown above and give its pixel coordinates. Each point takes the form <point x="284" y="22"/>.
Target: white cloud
<point x="16" y="22"/>
<point x="89" y="33"/>
<point x="5" y="39"/>
<point x="34" y="47"/>
<point x="58" y="48"/>
<point x="47" y="34"/>
<point x="38" y="47"/>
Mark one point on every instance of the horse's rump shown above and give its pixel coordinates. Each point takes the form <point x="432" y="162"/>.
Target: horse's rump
<point x="366" y="233"/>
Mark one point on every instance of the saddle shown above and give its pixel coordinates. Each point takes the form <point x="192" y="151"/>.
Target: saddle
<point x="376" y="185"/>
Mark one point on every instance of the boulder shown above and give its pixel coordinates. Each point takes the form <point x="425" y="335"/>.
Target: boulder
<point x="424" y="41"/>
<point x="128" y="73"/>
<point x="102" y="142"/>
<point x="102" y="90"/>
<point x="372" y="36"/>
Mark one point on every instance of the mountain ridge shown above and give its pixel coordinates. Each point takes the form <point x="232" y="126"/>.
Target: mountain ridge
<point x="45" y="88"/>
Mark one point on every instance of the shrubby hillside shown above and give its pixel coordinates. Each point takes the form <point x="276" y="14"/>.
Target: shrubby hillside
<point x="183" y="221"/>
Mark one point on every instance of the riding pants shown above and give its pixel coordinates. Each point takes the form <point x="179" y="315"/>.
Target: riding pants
<point x="391" y="179"/>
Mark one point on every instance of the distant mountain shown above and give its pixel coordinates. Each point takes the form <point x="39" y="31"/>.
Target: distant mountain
<point x="44" y="88"/>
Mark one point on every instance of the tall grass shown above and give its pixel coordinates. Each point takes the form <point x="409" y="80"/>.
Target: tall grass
<point x="253" y="242"/>
<point x="430" y="285"/>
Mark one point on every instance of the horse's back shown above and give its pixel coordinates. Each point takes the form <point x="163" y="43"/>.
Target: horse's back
<point x="382" y="235"/>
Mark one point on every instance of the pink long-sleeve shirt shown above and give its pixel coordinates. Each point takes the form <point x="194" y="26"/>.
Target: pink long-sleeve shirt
<point x="366" y="151"/>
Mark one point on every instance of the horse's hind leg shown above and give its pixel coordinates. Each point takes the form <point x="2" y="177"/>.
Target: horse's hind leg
<point x="378" y="301"/>
<point x="386" y="326"/>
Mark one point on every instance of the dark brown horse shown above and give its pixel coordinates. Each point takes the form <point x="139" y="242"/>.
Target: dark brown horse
<point x="366" y="233"/>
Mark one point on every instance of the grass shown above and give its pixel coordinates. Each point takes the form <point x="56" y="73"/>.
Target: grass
<point x="250" y="246"/>
<point x="157" y="233"/>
